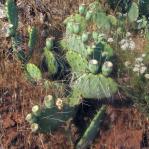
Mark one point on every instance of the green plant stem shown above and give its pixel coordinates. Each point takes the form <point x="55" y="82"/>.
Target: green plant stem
<point x="92" y="130"/>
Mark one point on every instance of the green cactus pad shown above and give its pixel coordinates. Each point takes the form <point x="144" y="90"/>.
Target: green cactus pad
<point x="113" y="20"/>
<point x="74" y="42"/>
<point x="133" y="12"/>
<point x="95" y="86"/>
<point x="52" y="118"/>
<point x="102" y="21"/>
<point x="95" y="6"/>
<point x="74" y="99"/>
<point x="33" y="72"/>
<point x="92" y="130"/>
<point x="77" y="62"/>
<point x="51" y="62"/>
<point x="77" y="18"/>
<point x="109" y="50"/>
<point x="12" y="13"/>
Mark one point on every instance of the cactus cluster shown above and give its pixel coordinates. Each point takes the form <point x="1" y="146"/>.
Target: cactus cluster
<point x="51" y="115"/>
<point x="88" y="56"/>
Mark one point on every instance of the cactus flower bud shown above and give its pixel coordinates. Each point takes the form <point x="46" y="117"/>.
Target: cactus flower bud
<point x="34" y="127"/>
<point x="49" y="43"/>
<point x="107" y="68"/>
<point x="82" y="9"/>
<point x="93" y="66"/>
<point x="36" y="110"/>
<point x="49" y="101"/>
<point x="88" y="15"/>
<point x="59" y="103"/>
<point x="30" y="118"/>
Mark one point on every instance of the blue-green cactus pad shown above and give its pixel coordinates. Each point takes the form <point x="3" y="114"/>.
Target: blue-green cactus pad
<point x="95" y="86"/>
<point x="50" y="119"/>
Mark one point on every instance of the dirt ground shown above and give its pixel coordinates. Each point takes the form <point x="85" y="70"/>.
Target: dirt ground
<point x="123" y="128"/>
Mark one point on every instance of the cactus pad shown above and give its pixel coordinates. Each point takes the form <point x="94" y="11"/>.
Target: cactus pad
<point x="33" y="72"/>
<point x="95" y="86"/>
<point x="77" y="62"/>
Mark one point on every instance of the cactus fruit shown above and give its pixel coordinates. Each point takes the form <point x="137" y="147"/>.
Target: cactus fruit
<point x="92" y="130"/>
<point x="88" y="15"/>
<point x="30" y="118"/>
<point x="95" y="86"/>
<point x="51" y="62"/>
<point x="85" y="37"/>
<point x="10" y="31"/>
<point x="33" y="72"/>
<point x="82" y="9"/>
<point x="34" y="127"/>
<point x="49" y="43"/>
<point x="49" y="101"/>
<point x="107" y="68"/>
<point x="36" y="110"/>
<point x="93" y="66"/>
<point x="59" y="103"/>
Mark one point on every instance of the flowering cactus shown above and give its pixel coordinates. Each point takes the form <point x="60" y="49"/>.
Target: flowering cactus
<point x="86" y="52"/>
<point x="52" y="115"/>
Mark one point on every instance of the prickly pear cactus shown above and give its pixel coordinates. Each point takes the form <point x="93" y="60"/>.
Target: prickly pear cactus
<point x="12" y="14"/>
<point x="86" y="38"/>
<point x="87" y="53"/>
<point x="95" y="86"/>
<point x="33" y="72"/>
<point x="53" y="114"/>
<point x="92" y="130"/>
<point x="87" y="50"/>
<point x="77" y="62"/>
<point x="51" y="62"/>
<point x="133" y="12"/>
